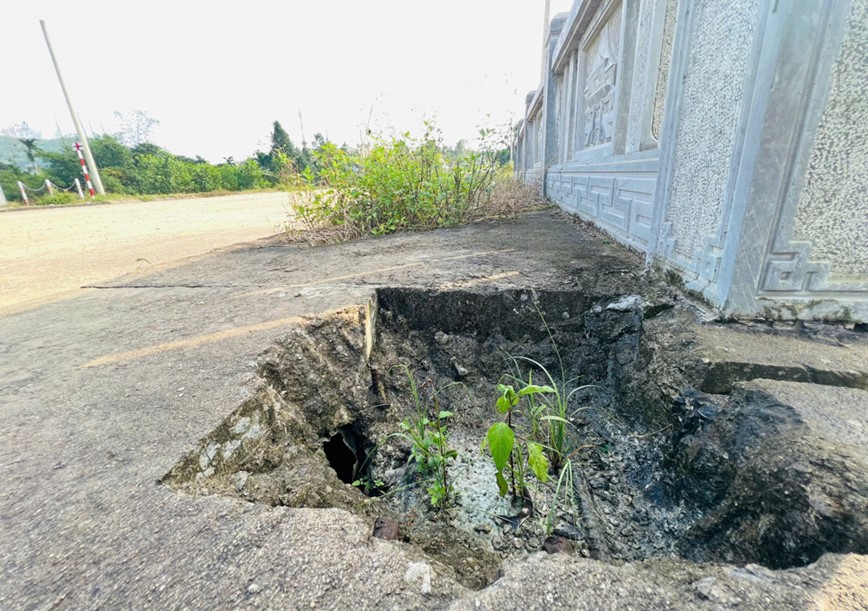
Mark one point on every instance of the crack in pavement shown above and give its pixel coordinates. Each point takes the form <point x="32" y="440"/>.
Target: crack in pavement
<point x="170" y="286"/>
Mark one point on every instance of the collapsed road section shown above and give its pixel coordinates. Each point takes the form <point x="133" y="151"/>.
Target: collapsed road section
<point x="634" y="434"/>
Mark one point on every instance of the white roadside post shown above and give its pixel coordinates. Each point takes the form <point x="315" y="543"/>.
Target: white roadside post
<point x="23" y="192"/>
<point x="49" y="186"/>
<point x="78" y="188"/>
<point x="2" y="197"/>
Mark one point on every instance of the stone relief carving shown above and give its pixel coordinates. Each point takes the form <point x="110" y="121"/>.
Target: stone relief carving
<point x="601" y="67"/>
<point x="622" y="203"/>
<point x="794" y="271"/>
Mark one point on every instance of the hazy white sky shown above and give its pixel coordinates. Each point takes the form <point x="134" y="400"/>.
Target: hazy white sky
<point x="216" y="74"/>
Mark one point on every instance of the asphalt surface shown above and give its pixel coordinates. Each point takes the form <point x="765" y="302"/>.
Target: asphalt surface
<point x="50" y="253"/>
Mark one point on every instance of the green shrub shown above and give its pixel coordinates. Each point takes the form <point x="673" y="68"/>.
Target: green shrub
<point x="206" y="178"/>
<point x="59" y="197"/>
<point x="113" y="179"/>
<point x="398" y="184"/>
<point x="9" y="177"/>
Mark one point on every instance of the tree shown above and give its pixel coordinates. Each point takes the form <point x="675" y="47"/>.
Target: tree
<point x="109" y="152"/>
<point x="280" y="141"/>
<point x="62" y="167"/>
<point x="146" y="148"/>
<point x="32" y="149"/>
<point x="283" y="160"/>
<point x="20" y="130"/>
<point x="136" y="127"/>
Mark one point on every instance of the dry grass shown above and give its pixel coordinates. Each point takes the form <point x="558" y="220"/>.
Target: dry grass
<point x="508" y="199"/>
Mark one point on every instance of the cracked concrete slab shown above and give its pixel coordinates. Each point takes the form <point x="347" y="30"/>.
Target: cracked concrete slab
<point x="826" y="355"/>
<point x="85" y="435"/>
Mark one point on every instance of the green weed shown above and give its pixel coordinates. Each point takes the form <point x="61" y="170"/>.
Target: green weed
<point x="564" y="497"/>
<point x="429" y="446"/>
<point x="58" y="199"/>
<point x="399" y="184"/>
<point x="515" y="455"/>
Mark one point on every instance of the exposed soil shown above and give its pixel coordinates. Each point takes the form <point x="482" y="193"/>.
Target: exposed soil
<point x="334" y="392"/>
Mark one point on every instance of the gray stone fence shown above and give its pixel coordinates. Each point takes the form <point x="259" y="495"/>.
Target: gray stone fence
<point x="725" y="139"/>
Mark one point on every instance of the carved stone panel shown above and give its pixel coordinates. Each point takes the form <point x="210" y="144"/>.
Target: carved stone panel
<point x="639" y="93"/>
<point x="600" y="69"/>
<point x="707" y="136"/>
<point x="622" y="204"/>
<point x="832" y="212"/>
<point x="663" y="66"/>
<point x="638" y="193"/>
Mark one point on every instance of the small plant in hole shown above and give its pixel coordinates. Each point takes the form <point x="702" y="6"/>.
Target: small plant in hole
<point x="429" y="446"/>
<point x="369" y="486"/>
<point x="548" y="406"/>
<point x="548" y="410"/>
<point x="515" y="455"/>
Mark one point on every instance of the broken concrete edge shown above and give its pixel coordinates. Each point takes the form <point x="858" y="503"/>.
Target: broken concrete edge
<point x="784" y="468"/>
<point x="205" y="462"/>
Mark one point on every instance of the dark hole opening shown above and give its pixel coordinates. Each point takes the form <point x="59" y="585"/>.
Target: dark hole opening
<point x="341" y="458"/>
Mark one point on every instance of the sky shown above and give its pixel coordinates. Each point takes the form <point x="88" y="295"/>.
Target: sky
<point x="217" y="75"/>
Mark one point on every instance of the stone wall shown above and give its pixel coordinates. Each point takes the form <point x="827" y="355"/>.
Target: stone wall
<point x="707" y="135"/>
<point x="728" y="141"/>
<point x="831" y="212"/>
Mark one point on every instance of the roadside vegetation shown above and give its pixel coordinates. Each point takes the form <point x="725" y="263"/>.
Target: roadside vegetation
<point x="386" y="184"/>
<point x="404" y="183"/>
<point x="140" y="169"/>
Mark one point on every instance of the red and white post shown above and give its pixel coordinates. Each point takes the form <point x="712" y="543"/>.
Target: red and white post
<point x="84" y="169"/>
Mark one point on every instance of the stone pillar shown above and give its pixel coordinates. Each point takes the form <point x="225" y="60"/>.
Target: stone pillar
<point x="550" y="153"/>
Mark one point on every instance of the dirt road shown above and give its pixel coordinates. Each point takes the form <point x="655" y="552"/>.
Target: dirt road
<point x="50" y="253"/>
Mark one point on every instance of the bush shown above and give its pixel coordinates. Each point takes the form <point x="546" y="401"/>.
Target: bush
<point x="9" y="177"/>
<point x="249" y="176"/>
<point x="399" y="184"/>
<point x="206" y="178"/>
<point x="60" y="197"/>
<point x="113" y="179"/>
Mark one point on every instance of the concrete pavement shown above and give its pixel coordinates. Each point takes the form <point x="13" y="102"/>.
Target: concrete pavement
<point x="104" y="392"/>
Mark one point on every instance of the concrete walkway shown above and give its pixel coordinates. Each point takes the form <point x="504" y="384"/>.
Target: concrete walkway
<point x="103" y="393"/>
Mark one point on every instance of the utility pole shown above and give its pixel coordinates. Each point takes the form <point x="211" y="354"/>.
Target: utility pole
<point x="97" y="182"/>
<point x="301" y="123"/>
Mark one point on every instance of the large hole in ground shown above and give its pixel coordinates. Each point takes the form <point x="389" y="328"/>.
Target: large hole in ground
<point x="341" y="457"/>
<point x="638" y="475"/>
